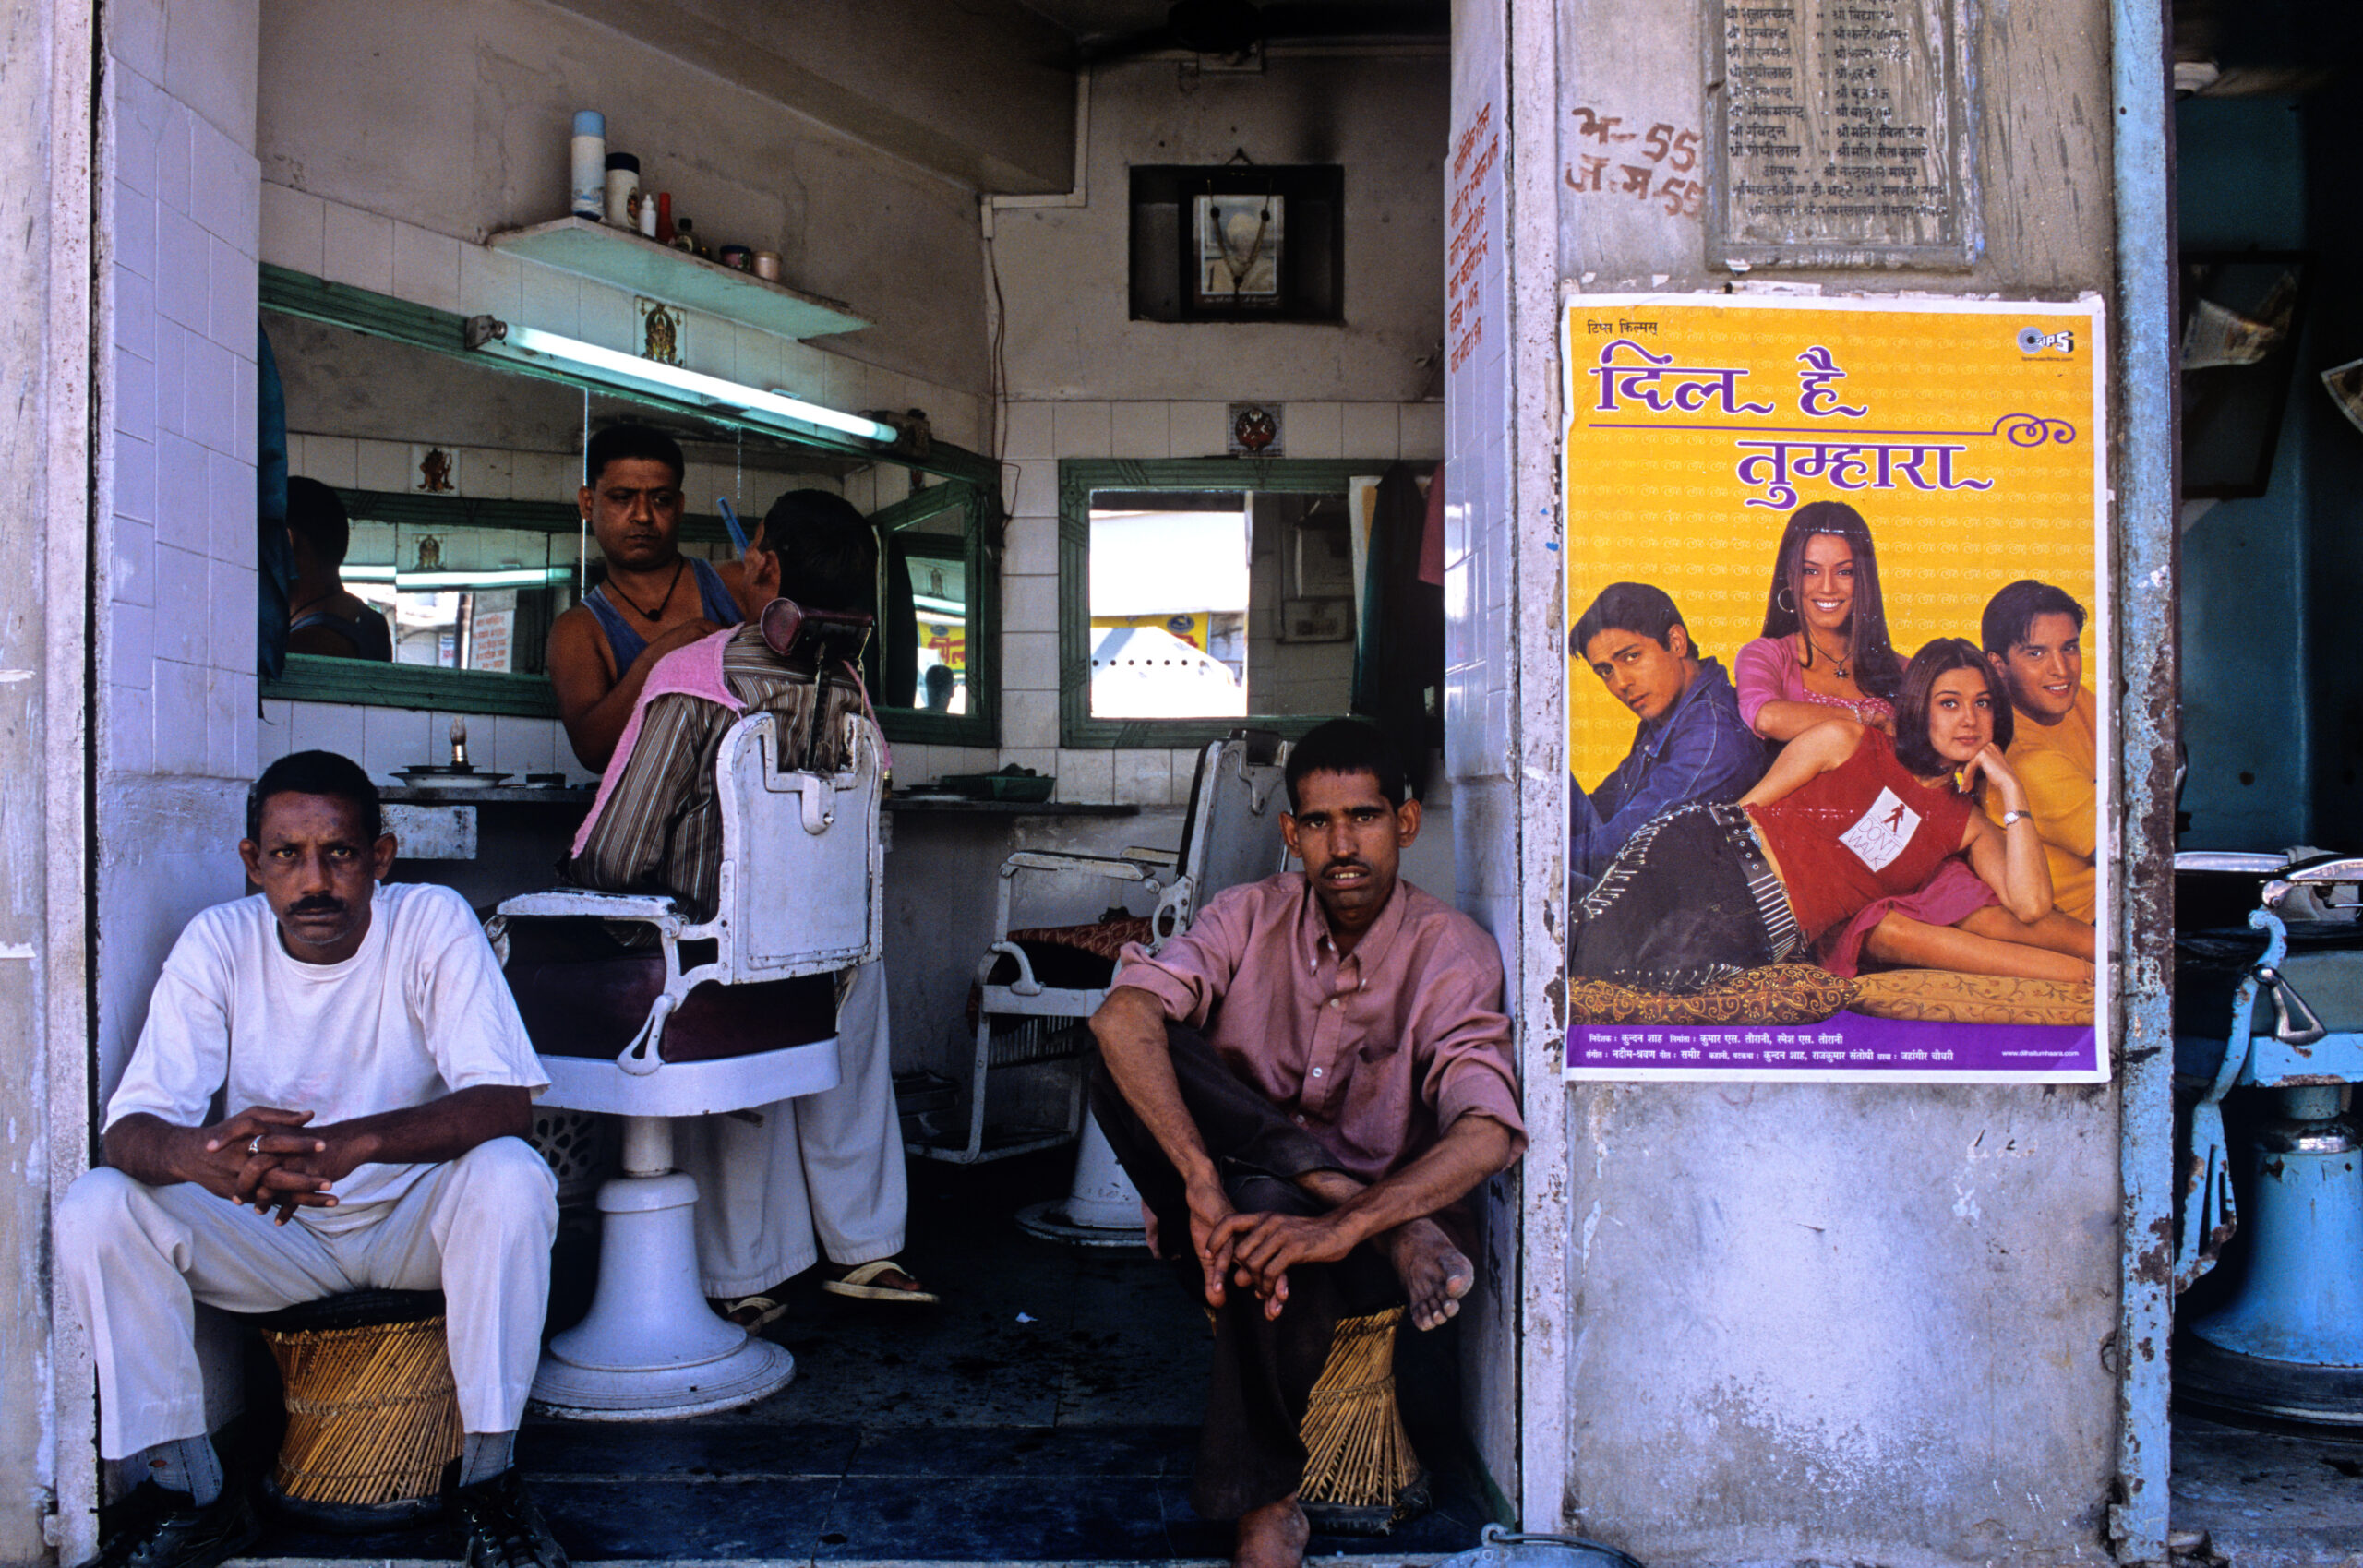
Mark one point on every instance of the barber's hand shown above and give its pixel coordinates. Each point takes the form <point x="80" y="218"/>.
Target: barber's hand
<point x="1265" y="1246"/>
<point x="230" y="1158"/>
<point x="1209" y="1208"/>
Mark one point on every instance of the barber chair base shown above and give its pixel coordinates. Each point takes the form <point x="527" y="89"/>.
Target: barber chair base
<point x="649" y="1349"/>
<point x="1102" y="1207"/>
<point x="2253" y="1390"/>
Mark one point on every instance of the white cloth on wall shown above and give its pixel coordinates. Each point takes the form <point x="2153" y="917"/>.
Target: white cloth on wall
<point x="134" y="1258"/>
<point x="821" y="1172"/>
<point x="420" y="1012"/>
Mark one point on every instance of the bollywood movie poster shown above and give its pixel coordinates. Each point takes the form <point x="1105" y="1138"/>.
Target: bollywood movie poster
<point x="1837" y="644"/>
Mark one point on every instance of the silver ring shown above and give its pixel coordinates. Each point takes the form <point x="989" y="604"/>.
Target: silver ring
<point x="253" y="1144"/>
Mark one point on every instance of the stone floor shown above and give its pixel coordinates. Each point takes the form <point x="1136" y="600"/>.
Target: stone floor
<point x="2269" y="1499"/>
<point x="1046" y="1412"/>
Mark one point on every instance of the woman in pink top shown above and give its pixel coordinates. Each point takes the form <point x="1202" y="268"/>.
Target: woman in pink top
<point x="1825" y="651"/>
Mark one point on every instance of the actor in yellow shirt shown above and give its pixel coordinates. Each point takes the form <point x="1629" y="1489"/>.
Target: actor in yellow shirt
<point x="2034" y="633"/>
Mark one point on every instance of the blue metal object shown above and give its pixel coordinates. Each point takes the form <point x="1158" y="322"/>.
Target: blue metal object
<point x="2145" y="666"/>
<point x="2300" y="1299"/>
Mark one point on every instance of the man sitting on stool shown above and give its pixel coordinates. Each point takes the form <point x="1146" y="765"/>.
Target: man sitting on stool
<point x="1353" y="1082"/>
<point x="824" y="1171"/>
<point x="380" y="1082"/>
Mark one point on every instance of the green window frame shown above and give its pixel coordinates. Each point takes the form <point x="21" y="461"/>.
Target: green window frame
<point x="1078" y="478"/>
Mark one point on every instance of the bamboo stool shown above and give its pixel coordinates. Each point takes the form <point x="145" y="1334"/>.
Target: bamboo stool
<point x="1360" y="1475"/>
<point x="371" y="1416"/>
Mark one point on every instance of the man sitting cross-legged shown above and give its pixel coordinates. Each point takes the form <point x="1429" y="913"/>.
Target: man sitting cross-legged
<point x="1304" y="1086"/>
<point x="378" y="1082"/>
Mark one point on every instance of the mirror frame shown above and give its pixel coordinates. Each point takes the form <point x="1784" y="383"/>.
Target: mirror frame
<point x="1078" y="478"/>
<point x="976" y="485"/>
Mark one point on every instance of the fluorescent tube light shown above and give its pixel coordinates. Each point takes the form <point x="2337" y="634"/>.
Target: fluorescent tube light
<point x="490" y="577"/>
<point x="615" y="365"/>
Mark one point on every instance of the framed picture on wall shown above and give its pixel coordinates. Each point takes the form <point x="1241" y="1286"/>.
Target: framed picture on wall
<point x="1240" y="239"/>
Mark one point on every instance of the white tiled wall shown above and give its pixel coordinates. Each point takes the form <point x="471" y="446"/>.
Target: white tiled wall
<point x="384" y="740"/>
<point x="175" y="713"/>
<point x="1035" y="435"/>
<point x="177" y="652"/>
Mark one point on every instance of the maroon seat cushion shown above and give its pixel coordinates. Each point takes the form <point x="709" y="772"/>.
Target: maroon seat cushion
<point x="581" y="993"/>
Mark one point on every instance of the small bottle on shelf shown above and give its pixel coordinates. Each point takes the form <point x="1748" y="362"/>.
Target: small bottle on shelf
<point x="685" y="235"/>
<point x="664" y="217"/>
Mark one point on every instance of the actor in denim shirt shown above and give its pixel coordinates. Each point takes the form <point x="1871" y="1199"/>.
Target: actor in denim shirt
<point x="1692" y="744"/>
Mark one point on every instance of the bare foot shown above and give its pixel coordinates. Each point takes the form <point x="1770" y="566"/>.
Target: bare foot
<point x="1434" y="1272"/>
<point x="1272" y="1536"/>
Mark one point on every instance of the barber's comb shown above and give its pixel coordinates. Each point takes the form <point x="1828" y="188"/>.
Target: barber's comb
<point x="826" y="637"/>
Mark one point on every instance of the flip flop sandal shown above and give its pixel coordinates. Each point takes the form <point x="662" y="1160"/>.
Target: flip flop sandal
<point x="857" y="1284"/>
<point x="754" y="1313"/>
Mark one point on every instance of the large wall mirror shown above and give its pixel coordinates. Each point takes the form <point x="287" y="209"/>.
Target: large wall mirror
<point x="458" y="471"/>
<point x="1197" y="595"/>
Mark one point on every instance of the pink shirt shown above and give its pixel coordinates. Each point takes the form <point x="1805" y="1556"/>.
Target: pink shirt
<point x="1373" y="1054"/>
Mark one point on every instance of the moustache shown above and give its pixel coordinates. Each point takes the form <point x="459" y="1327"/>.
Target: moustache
<point x="318" y="905"/>
<point x="1345" y="863"/>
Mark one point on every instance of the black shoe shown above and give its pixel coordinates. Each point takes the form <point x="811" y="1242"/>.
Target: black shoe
<point x="499" y="1527"/>
<point x="166" y="1529"/>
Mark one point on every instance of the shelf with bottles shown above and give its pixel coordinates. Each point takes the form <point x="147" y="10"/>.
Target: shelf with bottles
<point x="625" y="260"/>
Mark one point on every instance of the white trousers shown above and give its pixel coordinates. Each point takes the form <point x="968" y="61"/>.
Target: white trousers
<point x="824" y="1171"/>
<point x="135" y="1258"/>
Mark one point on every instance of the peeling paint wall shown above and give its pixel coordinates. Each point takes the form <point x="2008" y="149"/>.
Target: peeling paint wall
<point x="47" y="213"/>
<point x="1798" y="1323"/>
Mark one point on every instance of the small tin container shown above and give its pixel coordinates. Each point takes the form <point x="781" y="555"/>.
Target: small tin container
<point x="735" y="257"/>
<point x="767" y="265"/>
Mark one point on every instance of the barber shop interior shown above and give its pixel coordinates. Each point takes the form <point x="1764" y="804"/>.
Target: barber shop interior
<point x="1122" y="346"/>
<point x="828" y="535"/>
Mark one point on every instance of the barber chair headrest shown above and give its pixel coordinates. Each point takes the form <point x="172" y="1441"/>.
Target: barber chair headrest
<point x="825" y="637"/>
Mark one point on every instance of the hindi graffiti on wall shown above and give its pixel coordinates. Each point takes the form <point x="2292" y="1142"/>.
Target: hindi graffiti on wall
<point x="1841" y="132"/>
<point x="1834" y="571"/>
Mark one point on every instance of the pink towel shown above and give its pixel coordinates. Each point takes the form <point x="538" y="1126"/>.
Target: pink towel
<point x="694" y="671"/>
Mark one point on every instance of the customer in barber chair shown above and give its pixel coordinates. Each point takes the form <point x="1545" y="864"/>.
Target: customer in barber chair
<point x="823" y="1173"/>
<point x="1305" y="1086"/>
<point x="377" y="1084"/>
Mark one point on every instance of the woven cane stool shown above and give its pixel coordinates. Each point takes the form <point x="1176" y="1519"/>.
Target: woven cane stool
<point x="1361" y="1477"/>
<point x="371" y="1416"/>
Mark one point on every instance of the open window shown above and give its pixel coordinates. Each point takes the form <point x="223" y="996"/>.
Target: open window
<point x="459" y="470"/>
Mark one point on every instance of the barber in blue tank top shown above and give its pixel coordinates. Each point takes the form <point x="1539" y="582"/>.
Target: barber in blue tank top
<point x="655" y="599"/>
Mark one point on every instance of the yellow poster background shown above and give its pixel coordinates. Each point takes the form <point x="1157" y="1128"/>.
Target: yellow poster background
<point x="1657" y="496"/>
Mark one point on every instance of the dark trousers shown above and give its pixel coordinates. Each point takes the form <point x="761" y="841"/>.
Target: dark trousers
<point x="1674" y="910"/>
<point x="1250" y="1452"/>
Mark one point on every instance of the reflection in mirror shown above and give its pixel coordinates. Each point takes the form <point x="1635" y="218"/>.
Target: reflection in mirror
<point x="935" y="567"/>
<point x="1221" y="604"/>
<point x="460" y="473"/>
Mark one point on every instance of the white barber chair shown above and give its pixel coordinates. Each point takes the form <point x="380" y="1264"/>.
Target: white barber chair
<point x="732" y="1013"/>
<point x="1037" y="988"/>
